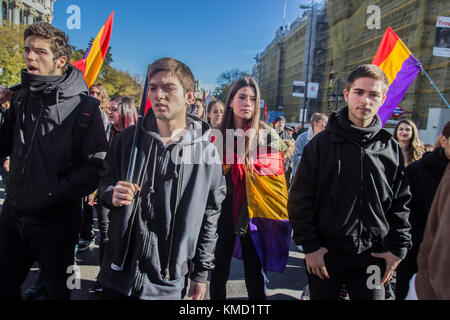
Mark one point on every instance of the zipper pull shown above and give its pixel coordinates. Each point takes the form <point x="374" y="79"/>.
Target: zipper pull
<point x="166" y="274"/>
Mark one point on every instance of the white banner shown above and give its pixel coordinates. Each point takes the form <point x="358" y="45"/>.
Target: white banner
<point x="313" y="90"/>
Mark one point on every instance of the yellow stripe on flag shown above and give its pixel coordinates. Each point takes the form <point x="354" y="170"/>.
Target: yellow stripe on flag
<point x="394" y="61"/>
<point x="266" y="196"/>
<point x="94" y="60"/>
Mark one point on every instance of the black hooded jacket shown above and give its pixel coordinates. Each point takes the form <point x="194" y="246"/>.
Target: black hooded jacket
<point x="350" y="193"/>
<point x="55" y="136"/>
<point x="174" y="227"/>
<point x="424" y="177"/>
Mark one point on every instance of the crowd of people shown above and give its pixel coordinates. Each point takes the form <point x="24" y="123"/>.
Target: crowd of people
<point x="212" y="182"/>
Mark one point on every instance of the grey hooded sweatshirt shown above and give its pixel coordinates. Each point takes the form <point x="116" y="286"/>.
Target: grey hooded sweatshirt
<point x="170" y="229"/>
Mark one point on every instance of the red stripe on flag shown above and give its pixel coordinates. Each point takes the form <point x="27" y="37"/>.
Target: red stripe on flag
<point x="106" y="35"/>
<point x="148" y="104"/>
<point x="386" y="46"/>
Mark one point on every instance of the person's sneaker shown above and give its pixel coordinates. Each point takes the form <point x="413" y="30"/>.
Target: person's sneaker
<point x="84" y="245"/>
<point x="35" y="291"/>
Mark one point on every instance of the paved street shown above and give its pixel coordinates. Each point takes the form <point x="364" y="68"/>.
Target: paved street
<point x="286" y="286"/>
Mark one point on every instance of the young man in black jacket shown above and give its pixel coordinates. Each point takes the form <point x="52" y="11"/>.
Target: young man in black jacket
<point x="348" y="202"/>
<point x="162" y="228"/>
<point x="54" y="134"/>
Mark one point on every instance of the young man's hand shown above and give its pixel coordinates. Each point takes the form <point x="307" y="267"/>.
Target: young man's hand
<point x="392" y="262"/>
<point x="6" y="165"/>
<point x="197" y="290"/>
<point x="124" y="193"/>
<point x="315" y="263"/>
<point x="5" y="94"/>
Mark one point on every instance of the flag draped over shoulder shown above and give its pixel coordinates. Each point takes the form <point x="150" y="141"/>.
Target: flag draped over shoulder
<point x="93" y="60"/>
<point x="269" y="222"/>
<point x="267" y="197"/>
<point x="401" y="68"/>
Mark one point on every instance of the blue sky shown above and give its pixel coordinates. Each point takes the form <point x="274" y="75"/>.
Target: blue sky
<point x="210" y="36"/>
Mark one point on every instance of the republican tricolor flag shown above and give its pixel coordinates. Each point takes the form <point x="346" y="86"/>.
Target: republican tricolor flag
<point x="93" y="60"/>
<point x="401" y="68"/>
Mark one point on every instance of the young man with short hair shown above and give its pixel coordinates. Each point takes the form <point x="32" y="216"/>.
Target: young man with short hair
<point x="348" y="202"/>
<point x="54" y="134"/>
<point x="177" y="201"/>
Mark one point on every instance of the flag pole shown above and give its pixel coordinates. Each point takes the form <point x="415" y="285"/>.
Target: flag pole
<point x="133" y="154"/>
<point x="434" y="85"/>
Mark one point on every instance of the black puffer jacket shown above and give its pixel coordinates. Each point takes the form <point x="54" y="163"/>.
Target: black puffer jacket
<point x="177" y="212"/>
<point x="57" y="143"/>
<point x="351" y="192"/>
<point x="424" y="177"/>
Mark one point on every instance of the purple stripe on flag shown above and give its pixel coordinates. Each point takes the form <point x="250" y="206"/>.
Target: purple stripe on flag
<point x="397" y="89"/>
<point x="272" y="239"/>
<point x="87" y="53"/>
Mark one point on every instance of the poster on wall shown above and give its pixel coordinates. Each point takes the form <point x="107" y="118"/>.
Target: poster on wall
<point x="442" y="39"/>
<point x="298" y="89"/>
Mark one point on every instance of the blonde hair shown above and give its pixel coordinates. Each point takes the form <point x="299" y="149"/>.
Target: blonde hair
<point x="104" y="98"/>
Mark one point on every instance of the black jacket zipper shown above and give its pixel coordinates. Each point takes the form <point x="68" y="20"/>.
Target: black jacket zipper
<point x="172" y="231"/>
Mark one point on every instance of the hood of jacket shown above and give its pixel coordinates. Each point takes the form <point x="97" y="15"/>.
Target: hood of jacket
<point x="69" y="84"/>
<point x="56" y="90"/>
<point x="342" y="128"/>
<point x="197" y="130"/>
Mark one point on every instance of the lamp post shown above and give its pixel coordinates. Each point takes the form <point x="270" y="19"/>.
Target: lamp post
<point x="304" y="6"/>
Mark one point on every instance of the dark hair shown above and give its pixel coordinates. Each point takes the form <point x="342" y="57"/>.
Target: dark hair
<point x="277" y="119"/>
<point x="203" y="115"/>
<point x="59" y="41"/>
<point x="368" y="71"/>
<point x="211" y="104"/>
<point x="175" y="67"/>
<point x="446" y="130"/>
<point x="228" y="118"/>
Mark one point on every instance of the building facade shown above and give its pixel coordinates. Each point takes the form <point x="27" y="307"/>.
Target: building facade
<point x="296" y="54"/>
<point x="341" y="40"/>
<point x="26" y="12"/>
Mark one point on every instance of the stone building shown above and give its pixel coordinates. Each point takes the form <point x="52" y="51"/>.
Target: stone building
<point x="342" y="40"/>
<point x="26" y="11"/>
<point x="288" y="58"/>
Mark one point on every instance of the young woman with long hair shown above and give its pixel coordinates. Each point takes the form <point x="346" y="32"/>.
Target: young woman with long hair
<point x="253" y="224"/>
<point x="407" y="135"/>
<point x="215" y="111"/>
<point x="122" y="113"/>
<point x="99" y="92"/>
